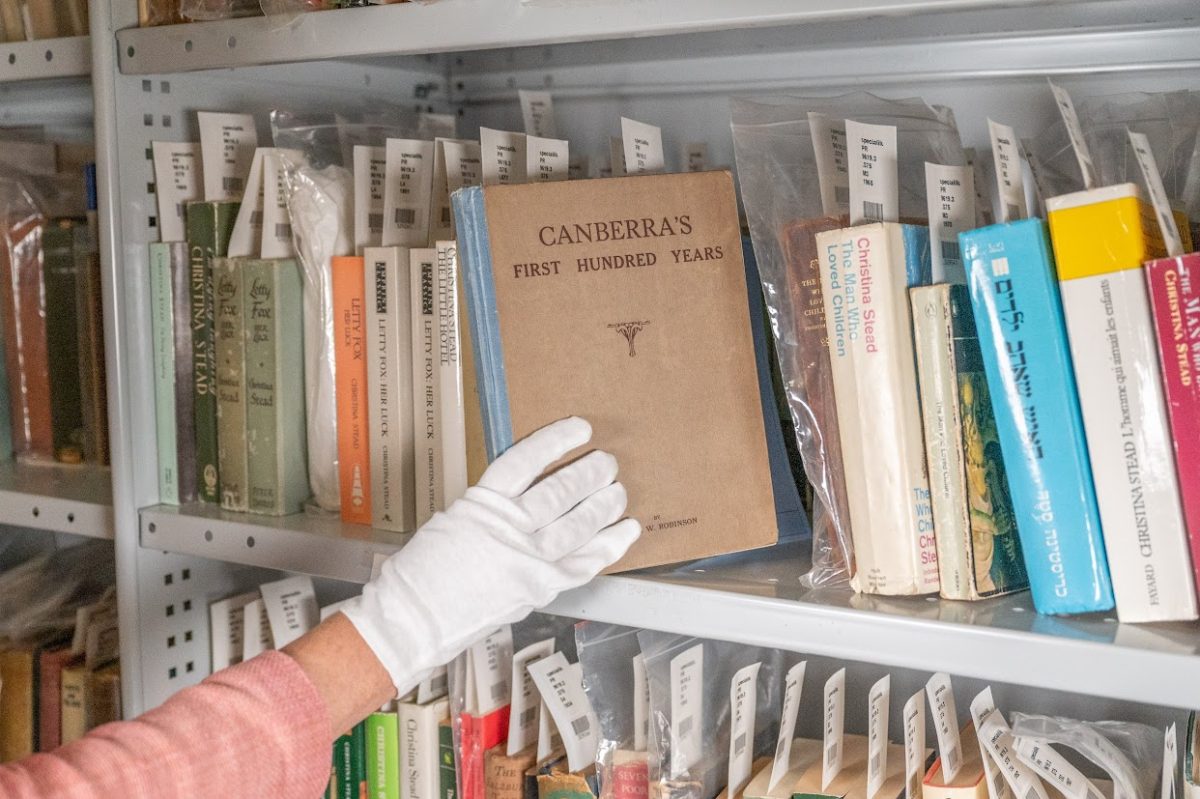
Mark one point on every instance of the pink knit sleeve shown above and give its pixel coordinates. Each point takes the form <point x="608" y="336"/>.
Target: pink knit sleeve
<point x="257" y="729"/>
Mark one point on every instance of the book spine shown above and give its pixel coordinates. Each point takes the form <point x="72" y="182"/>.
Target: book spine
<point x="389" y="371"/>
<point x="426" y="404"/>
<point x="419" y="750"/>
<point x="477" y="461"/>
<point x="447" y="771"/>
<point x="354" y="465"/>
<point x="342" y="780"/>
<point x="1023" y="342"/>
<point x="275" y="439"/>
<point x="89" y="332"/>
<point x="209" y="226"/>
<point x="452" y="410"/>
<point x="868" y="317"/>
<point x="383" y="774"/>
<point x="21" y="284"/>
<point x="1174" y="285"/>
<point x="185" y="398"/>
<point x="230" y="323"/>
<point x="60" y="275"/>
<point x="162" y="328"/>
<point x="943" y="436"/>
<point x="74" y="703"/>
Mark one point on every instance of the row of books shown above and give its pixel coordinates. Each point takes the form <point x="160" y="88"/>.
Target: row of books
<point x="59" y="673"/>
<point x="173" y="12"/>
<point x="28" y="20"/>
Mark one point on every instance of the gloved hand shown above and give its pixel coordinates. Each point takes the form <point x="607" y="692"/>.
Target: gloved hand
<point x="498" y="553"/>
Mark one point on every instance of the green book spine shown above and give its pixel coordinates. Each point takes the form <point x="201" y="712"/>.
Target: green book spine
<point x="343" y="784"/>
<point x="60" y="274"/>
<point x="162" y="327"/>
<point x="383" y="756"/>
<point x="209" y="226"/>
<point x="358" y="754"/>
<point x="447" y="769"/>
<point x="232" y="461"/>
<point x="275" y="421"/>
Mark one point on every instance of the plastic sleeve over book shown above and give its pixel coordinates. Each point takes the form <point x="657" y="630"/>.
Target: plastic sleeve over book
<point x="1023" y="339"/>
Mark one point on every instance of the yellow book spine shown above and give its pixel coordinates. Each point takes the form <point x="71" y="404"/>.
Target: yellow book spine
<point x="1102" y="231"/>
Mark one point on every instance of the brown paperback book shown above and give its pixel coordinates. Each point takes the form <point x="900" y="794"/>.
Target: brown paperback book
<point x="624" y="301"/>
<point x="51" y="663"/>
<point x="22" y="293"/>
<point x="504" y="776"/>
<point x="18" y="702"/>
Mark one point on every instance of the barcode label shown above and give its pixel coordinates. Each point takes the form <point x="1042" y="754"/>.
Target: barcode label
<point x="951" y="251"/>
<point x="256" y="219"/>
<point x="500" y="692"/>
<point x="952" y="760"/>
<point x="405" y="216"/>
<point x="181" y="209"/>
<point x="831" y="753"/>
<point x="999" y="783"/>
<point x="739" y="745"/>
<point x="1031" y="793"/>
<point x="873" y="766"/>
<point x="283" y="230"/>
<point x="685" y="727"/>
<point x="581" y="726"/>
<point x="781" y="747"/>
<point x="527" y="716"/>
<point x="872" y="211"/>
<point x="841" y="194"/>
<point x="375" y="221"/>
<point x="232" y="184"/>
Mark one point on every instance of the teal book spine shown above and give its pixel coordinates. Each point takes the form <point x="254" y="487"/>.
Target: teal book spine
<point x="275" y="420"/>
<point x="383" y="756"/>
<point x="162" y="331"/>
<point x="1030" y="375"/>
<point x="232" y="461"/>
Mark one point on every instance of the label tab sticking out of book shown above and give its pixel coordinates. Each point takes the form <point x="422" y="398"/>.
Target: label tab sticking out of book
<point x="503" y="154"/>
<point x="833" y="726"/>
<point x="914" y="745"/>
<point x="177" y="168"/>
<point x="743" y="703"/>
<point x="407" y="192"/>
<point x="492" y="660"/>
<point x="616" y="157"/>
<point x="370" y="177"/>
<point x="878" y="708"/>
<point x="983" y="203"/>
<point x="945" y="723"/>
<point x="950" y="195"/>
<point x="276" y="221"/>
<point x="793" y="687"/>
<point x="641" y="705"/>
<point x="1006" y="156"/>
<point x="687" y="711"/>
<point x="873" y="173"/>
<point x="225" y="618"/>
<point x="256" y="629"/>
<point x="523" y="714"/>
<point x="981" y="706"/>
<point x="997" y="739"/>
<point x="546" y="160"/>
<point x="1043" y="759"/>
<point x="643" y="148"/>
<point x="833" y="162"/>
<point x="561" y="686"/>
<point x="1152" y="181"/>
<point x="291" y="608"/>
<point x="537" y="110"/>
<point x="246" y="239"/>
<point x="1083" y="155"/>
<point x="227" y="143"/>
<point x="695" y="157"/>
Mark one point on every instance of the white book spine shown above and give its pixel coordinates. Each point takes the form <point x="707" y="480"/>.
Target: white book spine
<point x="427" y="425"/>
<point x="450" y="377"/>
<point x="389" y="372"/>
<point x="419" y="756"/>
<point x="1129" y="444"/>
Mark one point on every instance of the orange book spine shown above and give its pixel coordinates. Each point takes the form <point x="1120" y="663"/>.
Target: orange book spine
<point x="349" y="319"/>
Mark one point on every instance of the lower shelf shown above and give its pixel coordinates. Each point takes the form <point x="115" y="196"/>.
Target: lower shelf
<point x="57" y="498"/>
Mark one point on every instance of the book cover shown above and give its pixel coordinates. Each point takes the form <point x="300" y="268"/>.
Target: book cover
<point x="1174" y="285"/>
<point x="276" y="444"/>
<point x="804" y="754"/>
<point x="51" y="663"/>
<point x="60" y="274"/>
<point x="162" y="332"/>
<point x="389" y="376"/>
<point x="971" y="780"/>
<point x="230" y="321"/>
<point x="851" y="781"/>
<point x="383" y="768"/>
<point x="644" y="278"/>
<point x="630" y="775"/>
<point x="22" y="294"/>
<point x="420" y="767"/>
<point x="185" y="396"/>
<point x="504" y="775"/>
<point x="450" y="395"/>
<point x="18" y="702"/>
<point x="426" y="404"/>
<point x="865" y="272"/>
<point x="209" y="226"/>
<point x="447" y="771"/>
<point x="1023" y="341"/>
<point x="978" y="549"/>
<point x="478" y="734"/>
<point x="104" y="695"/>
<point x="89" y="310"/>
<point x="558" y="785"/>
<point x="342" y="783"/>
<point x="76" y="686"/>
<point x="1101" y="239"/>
<point x="349" y="318"/>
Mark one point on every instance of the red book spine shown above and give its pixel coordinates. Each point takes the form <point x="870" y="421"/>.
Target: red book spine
<point x="477" y="734"/>
<point x="1174" y="285"/>
<point x="631" y="780"/>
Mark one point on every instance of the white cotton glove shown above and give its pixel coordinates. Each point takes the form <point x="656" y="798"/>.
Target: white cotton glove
<point x="498" y="553"/>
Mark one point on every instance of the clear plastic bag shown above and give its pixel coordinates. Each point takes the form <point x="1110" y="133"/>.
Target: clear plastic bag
<point x="777" y="172"/>
<point x="1131" y="754"/>
<point x="203" y="10"/>
<point x="38" y="598"/>
<point x="606" y="653"/>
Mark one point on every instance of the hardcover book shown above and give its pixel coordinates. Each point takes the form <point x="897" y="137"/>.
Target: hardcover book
<point x="51" y="663"/>
<point x="971" y="780"/>
<point x="866" y="271"/>
<point x="1101" y="239"/>
<point x="89" y="330"/>
<point x="383" y="766"/>
<point x="1023" y="340"/>
<point x="451" y="400"/>
<point x="60" y="275"/>
<point x="426" y="382"/>
<point x="18" y="702"/>
<point x="230" y="321"/>
<point x="623" y="301"/>
<point x="164" y="258"/>
<point x="349" y="320"/>
<point x="419" y="757"/>
<point x="504" y="775"/>
<point x="1174" y="285"/>
<point x="978" y="549"/>
<point x="27" y="363"/>
<point x="209" y="226"/>
<point x="447" y="771"/>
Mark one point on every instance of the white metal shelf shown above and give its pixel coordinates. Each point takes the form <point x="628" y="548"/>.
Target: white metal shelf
<point x="67" y="57"/>
<point x="57" y="498"/>
<point x="465" y="25"/>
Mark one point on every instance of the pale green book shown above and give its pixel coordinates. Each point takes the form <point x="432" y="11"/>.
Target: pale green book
<point x="162" y="331"/>
<point x="383" y="756"/>
<point x="275" y="434"/>
<point x="232" y="459"/>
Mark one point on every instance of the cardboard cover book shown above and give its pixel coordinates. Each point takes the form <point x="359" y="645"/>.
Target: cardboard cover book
<point x="624" y="301"/>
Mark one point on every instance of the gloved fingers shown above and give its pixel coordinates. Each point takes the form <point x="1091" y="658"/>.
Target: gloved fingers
<point x="524" y="462"/>
<point x="566" y="488"/>
<point x="608" y="547"/>
<point x="581" y="524"/>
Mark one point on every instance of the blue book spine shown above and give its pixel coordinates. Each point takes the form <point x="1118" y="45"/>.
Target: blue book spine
<point x="918" y="264"/>
<point x="1018" y="313"/>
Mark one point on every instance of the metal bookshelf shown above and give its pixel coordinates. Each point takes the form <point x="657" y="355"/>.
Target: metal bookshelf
<point x="55" y="498"/>
<point x="67" y="57"/>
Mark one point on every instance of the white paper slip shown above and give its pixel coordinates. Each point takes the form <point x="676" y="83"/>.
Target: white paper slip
<point x="256" y="629"/>
<point x="743" y="704"/>
<point x="246" y="239"/>
<point x="537" y="110"/>
<point x="793" y="687"/>
<point x="616" y="157"/>
<point x="1035" y="172"/>
<point x="561" y="686"/>
<point x="981" y="706"/>
<point x="833" y="162"/>
<point x="491" y="660"/>
<point x="291" y="608"/>
<point x="227" y="143"/>
<point x="523" y="713"/>
<point x="1152" y="180"/>
<point x="466" y="662"/>
<point x="177" y="174"/>
<point x="546" y="160"/>
<point x="945" y="723"/>
<point x="277" y="221"/>
<point x="226" y="629"/>
<point x="407" y="192"/>
<point x="548" y="740"/>
<point x="878" y="708"/>
<point x="436" y="126"/>
<point x="914" y="745"/>
<point x="578" y="167"/>
<point x="1083" y="154"/>
<point x="695" y="157"/>
<point x="950" y="192"/>
<point x="997" y="739"/>
<point x="643" y="148"/>
<point x="687" y="710"/>
<point x="832" y="728"/>
<point x="1170" y="768"/>
<point x="370" y="176"/>
<point x="503" y="154"/>
<point x="873" y="173"/>
<point x="464" y="164"/>
<point x="434" y="686"/>
<point x="641" y="704"/>
<point x="1046" y="761"/>
<point x="1010" y="177"/>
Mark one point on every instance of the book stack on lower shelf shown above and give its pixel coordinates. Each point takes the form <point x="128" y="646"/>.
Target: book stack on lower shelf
<point x="30" y="20"/>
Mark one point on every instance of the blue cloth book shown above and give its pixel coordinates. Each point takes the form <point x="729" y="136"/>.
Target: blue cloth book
<point x="1023" y="338"/>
